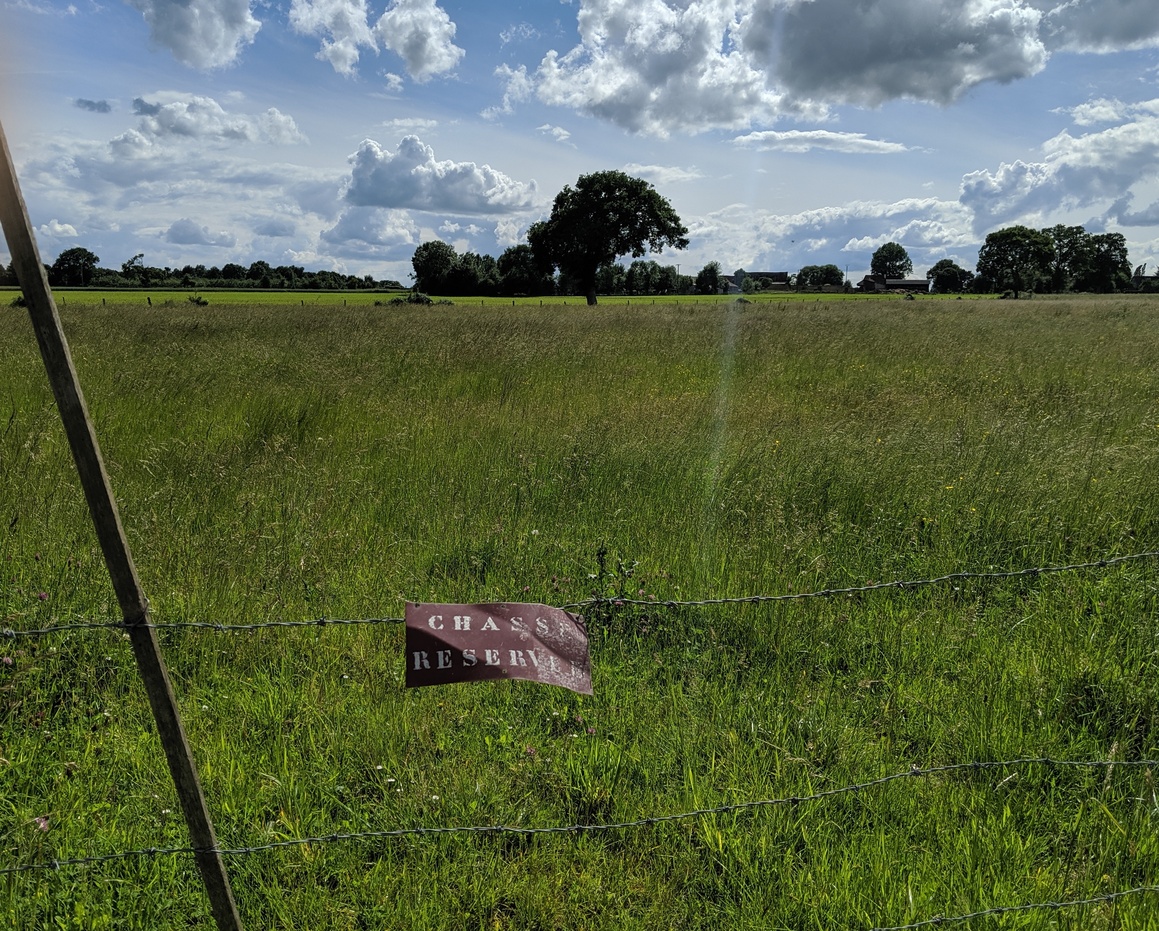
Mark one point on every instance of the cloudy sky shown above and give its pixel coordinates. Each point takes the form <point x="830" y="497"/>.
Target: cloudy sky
<point x="342" y="133"/>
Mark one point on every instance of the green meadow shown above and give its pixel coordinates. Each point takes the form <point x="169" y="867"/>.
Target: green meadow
<point x="283" y="458"/>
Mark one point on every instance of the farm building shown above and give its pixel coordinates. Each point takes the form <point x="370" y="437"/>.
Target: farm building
<point x="881" y="283"/>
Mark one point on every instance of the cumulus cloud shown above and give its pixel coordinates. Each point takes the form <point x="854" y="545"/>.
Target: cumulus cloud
<point x="186" y="232"/>
<point x="171" y="115"/>
<point x="200" y="33"/>
<point x="342" y="25"/>
<point x="868" y="53"/>
<point x="1076" y="171"/>
<point x="180" y="181"/>
<point x="57" y="230"/>
<point x="928" y="228"/>
<point x="507" y="232"/>
<point x="422" y="34"/>
<point x="652" y="67"/>
<point x="412" y="177"/>
<point x="93" y="106"/>
<point x="276" y="227"/>
<point x="372" y="232"/>
<point x="796" y="140"/>
<point x="1108" y="110"/>
<point x="418" y="31"/>
<point x="661" y="66"/>
<point x="1100" y="25"/>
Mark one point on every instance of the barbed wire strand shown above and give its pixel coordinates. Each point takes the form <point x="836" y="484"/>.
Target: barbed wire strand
<point x="913" y="772"/>
<point x="1010" y="909"/>
<point x="871" y="587"/>
<point x="201" y="625"/>
<point x="615" y="601"/>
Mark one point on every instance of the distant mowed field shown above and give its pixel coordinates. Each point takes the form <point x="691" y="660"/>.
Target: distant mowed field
<point x="288" y="459"/>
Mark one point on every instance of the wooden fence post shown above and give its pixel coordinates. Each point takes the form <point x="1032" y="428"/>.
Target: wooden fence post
<point x="111" y="535"/>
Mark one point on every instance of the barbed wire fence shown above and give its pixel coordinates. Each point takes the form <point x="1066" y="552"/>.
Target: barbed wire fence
<point x="612" y="602"/>
<point x="617" y="601"/>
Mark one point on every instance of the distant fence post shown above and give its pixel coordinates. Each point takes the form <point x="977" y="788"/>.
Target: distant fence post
<point x="103" y="508"/>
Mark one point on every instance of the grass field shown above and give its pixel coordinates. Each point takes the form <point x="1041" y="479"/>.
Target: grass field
<point x="277" y="463"/>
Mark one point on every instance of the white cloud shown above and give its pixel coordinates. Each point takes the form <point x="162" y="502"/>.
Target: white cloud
<point x="373" y="227"/>
<point x="343" y="26"/>
<point x="186" y="232"/>
<point x="796" y="140"/>
<point x="1102" y="110"/>
<point x="507" y="232"/>
<point x="558" y="133"/>
<point x="412" y="177"/>
<point x="652" y="67"/>
<point x="843" y="235"/>
<point x="408" y="125"/>
<point x="661" y="66"/>
<point x="663" y="174"/>
<point x="54" y="229"/>
<point x="200" y="33"/>
<point x="1075" y="172"/>
<point x="518" y="86"/>
<point x="1100" y="25"/>
<point x="520" y="32"/>
<point x="170" y="115"/>
<point x="422" y="34"/>
<point x="450" y="228"/>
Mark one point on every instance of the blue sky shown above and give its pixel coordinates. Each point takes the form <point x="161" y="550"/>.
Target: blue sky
<point x="342" y="133"/>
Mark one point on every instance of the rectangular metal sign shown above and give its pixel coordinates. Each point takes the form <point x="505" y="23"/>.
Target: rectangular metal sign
<point x="474" y="643"/>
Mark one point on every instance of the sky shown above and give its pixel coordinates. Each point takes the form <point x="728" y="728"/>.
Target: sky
<point x="340" y="134"/>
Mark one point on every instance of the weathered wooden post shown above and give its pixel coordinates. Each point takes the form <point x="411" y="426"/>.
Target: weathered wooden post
<point x="111" y="535"/>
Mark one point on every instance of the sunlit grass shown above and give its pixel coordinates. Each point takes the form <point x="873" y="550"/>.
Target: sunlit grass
<point x="273" y="462"/>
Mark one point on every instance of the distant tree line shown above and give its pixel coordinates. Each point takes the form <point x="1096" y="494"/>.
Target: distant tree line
<point x="80" y="268"/>
<point x="1014" y="259"/>
<point x="439" y="269"/>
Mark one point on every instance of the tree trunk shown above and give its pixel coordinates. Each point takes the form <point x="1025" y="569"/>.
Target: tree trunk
<point x="592" y="296"/>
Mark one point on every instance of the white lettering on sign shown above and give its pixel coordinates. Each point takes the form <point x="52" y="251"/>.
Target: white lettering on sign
<point x="451" y="643"/>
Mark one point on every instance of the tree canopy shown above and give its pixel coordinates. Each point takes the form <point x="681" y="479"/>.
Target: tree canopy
<point x="709" y="280"/>
<point x="73" y="268"/>
<point x="816" y="276"/>
<point x="606" y="215"/>
<point x="1016" y="258"/>
<point x="949" y="277"/>
<point x="892" y="261"/>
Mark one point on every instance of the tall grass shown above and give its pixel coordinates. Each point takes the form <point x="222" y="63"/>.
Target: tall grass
<point x="278" y="462"/>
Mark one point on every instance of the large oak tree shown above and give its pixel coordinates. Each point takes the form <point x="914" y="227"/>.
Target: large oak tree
<point x="606" y="215"/>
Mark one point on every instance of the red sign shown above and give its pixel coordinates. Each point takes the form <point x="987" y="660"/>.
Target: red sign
<point x="473" y="643"/>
